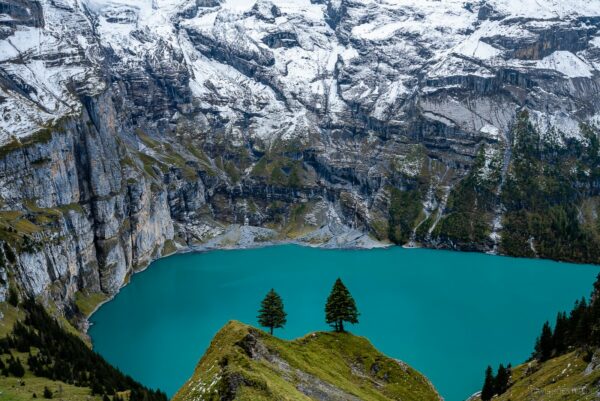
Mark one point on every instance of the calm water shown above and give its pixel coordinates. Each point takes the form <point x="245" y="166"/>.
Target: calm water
<point x="448" y="314"/>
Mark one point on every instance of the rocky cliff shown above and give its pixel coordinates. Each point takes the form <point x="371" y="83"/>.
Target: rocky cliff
<point x="243" y="363"/>
<point x="131" y="129"/>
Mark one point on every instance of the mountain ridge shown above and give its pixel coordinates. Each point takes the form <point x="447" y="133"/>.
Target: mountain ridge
<point x="245" y="363"/>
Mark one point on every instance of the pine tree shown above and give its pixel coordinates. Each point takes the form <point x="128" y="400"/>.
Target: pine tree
<point x="544" y="345"/>
<point x="47" y="393"/>
<point x="596" y="292"/>
<point x="559" y="338"/>
<point x="582" y="327"/>
<point x="595" y="313"/>
<point x="502" y="379"/>
<point x="13" y="297"/>
<point x="487" y="392"/>
<point x="271" y="313"/>
<point x="15" y="367"/>
<point x="340" y="307"/>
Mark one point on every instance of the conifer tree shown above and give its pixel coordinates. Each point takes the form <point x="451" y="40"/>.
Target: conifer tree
<point x="559" y="338"/>
<point x="15" y="367"/>
<point x="544" y="344"/>
<point x="487" y="392"/>
<point x="502" y="379"/>
<point x="271" y="313"/>
<point x="13" y="297"/>
<point x="340" y="307"/>
<point x="596" y="292"/>
<point x="595" y="313"/>
<point x="47" y="393"/>
<point x="583" y="326"/>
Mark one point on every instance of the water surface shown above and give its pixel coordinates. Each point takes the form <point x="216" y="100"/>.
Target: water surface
<point x="448" y="314"/>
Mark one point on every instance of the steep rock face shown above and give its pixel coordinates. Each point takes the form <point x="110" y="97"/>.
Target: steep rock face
<point x="129" y="128"/>
<point x="87" y="218"/>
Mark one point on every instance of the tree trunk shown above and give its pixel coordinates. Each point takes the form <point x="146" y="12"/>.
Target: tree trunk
<point x="271" y="329"/>
<point x="341" y="326"/>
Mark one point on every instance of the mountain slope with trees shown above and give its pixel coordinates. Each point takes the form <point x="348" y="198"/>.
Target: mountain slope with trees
<point x="40" y="356"/>
<point x="244" y="363"/>
<point x="565" y="364"/>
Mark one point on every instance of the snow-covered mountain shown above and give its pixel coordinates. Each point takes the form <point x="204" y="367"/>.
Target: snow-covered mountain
<point x="290" y="68"/>
<point x="180" y="118"/>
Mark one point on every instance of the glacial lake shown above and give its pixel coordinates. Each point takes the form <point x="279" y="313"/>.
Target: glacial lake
<point x="448" y="314"/>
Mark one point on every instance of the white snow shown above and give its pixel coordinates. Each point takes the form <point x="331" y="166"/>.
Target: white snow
<point x="491" y="131"/>
<point x="552" y="124"/>
<point x="374" y="31"/>
<point x="474" y="47"/>
<point x="545" y="9"/>
<point x="393" y="42"/>
<point x="479" y="50"/>
<point x="566" y="63"/>
<point x="238" y="5"/>
<point x="24" y="39"/>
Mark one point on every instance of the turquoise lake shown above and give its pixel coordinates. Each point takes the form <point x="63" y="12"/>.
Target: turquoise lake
<point x="448" y="314"/>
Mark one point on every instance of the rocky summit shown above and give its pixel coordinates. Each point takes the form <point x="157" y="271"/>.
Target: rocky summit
<point x="131" y="129"/>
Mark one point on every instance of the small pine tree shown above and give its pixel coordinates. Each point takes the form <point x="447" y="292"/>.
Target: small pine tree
<point x="595" y="314"/>
<point x="340" y="307"/>
<point x="583" y="327"/>
<point x="13" y="297"/>
<point x="10" y="254"/>
<point x="271" y="313"/>
<point x="15" y="367"/>
<point x="47" y="393"/>
<point x="596" y="292"/>
<point x="544" y="345"/>
<point x="96" y="388"/>
<point x="487" y="391"/>
<point x="502" y="379"/>
<point x="559" y="338"/>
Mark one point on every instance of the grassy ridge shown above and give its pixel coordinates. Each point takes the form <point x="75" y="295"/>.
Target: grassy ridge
<point x="243" y="363"/>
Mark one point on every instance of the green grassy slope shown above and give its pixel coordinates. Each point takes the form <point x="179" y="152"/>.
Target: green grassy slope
<point x="243" y="363"/>
<point x="570" y="377"/>
<point x="21" y="389"/>
<point x="53" y="356"/>
<point x="562" y="378"/>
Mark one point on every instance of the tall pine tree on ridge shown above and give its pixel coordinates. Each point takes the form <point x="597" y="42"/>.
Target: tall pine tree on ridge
<point x="340" y="307"/>
<point x="271" y="313"/>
